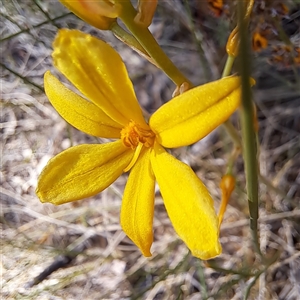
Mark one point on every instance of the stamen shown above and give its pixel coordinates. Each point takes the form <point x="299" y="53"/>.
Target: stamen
<point x="136" y="155"/>
<point x="133" y="134"/>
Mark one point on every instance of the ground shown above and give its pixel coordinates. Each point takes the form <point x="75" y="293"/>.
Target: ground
<point x="86" y="237"/>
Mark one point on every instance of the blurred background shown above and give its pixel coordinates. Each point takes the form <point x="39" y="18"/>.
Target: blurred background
<point x="88" y="254"/>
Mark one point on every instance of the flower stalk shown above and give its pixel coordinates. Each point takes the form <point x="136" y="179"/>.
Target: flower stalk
<point x="148" y="42"/>
<point x="131" y="41"/>
<point x="227" y="124"/>
<point x="248" y="130"/>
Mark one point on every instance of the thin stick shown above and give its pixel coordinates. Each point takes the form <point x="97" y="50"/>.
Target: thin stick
<point x="36" y="26"/>
<point x="22" y="77"/>
<point x="248" y="132"/>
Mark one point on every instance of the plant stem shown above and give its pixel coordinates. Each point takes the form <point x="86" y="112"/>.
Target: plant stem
<point x="236" y="138"/>
<point x="228" y="66"/>
<point x="233" y="133"/>
<point x="148" y="42"/>
<point x="131" y="41"/>
<point x="248" y="132"/>
<point x="227" y="124"/>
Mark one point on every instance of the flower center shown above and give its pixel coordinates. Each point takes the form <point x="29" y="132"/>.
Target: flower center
<point x="133" y="134"/>
<point x="135" y="137"/>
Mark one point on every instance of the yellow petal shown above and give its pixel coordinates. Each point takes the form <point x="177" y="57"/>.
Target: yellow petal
<point x="192" y="115"/>
<point x="188" y="203"/>
<point x="138" y="204"/>
<point x="100" y="14"/>
<point x="80" y="113"/>
<point x="98" y="71"/>
<point x="82" y="171"/>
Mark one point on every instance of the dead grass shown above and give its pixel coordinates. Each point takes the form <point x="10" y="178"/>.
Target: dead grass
<point x="108" y="265"/>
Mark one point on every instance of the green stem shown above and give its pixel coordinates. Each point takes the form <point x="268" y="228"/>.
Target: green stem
<point x="201" y="275"/>
<point x="236" y="138"/>
<point x="228" y="66"/>
<point x="227" y="124"/>
<point x="127" y="38"/>
<point x="248" y="132"/>
<point x="148" y="42"/>
<point x="233" y="133"/>
<point x="130" y="40"/>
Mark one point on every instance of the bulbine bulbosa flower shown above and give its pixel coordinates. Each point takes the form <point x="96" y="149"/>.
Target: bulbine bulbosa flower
<point x="110" y="110"/>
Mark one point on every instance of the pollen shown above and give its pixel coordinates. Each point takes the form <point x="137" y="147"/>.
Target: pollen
<point x="133" y="134"/>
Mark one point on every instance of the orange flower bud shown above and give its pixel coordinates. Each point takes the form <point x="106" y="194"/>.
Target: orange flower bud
<point x="146" y="10"/>
<point x="227" y="186"/>
<point x="259" y="42"/>
<point x="216" y="6"/>
<point x="232" y="46"/>
<point x="233" y="43"/>
<point x="100" y="13"/>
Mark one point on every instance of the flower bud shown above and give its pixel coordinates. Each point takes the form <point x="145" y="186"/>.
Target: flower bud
<point x="233" y="43"/>
<point x="146" y="10"/>
<point x="99" y="13"/>
<point x="232" y="46"/>
<point x="227" y="186"/>
<point x="259" y="42"/>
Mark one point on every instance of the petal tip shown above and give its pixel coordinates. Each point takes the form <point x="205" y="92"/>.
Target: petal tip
<point x="43" y="197"/>
<point x="208" y="254"/>
<point x="146" y="253"/>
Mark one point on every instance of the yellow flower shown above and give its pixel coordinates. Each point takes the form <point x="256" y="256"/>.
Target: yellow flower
<point x="99" y="13"/>
<point x="112" y="111"/>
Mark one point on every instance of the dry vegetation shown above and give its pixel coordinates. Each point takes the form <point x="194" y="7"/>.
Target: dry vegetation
<point x="100" y="261"/>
